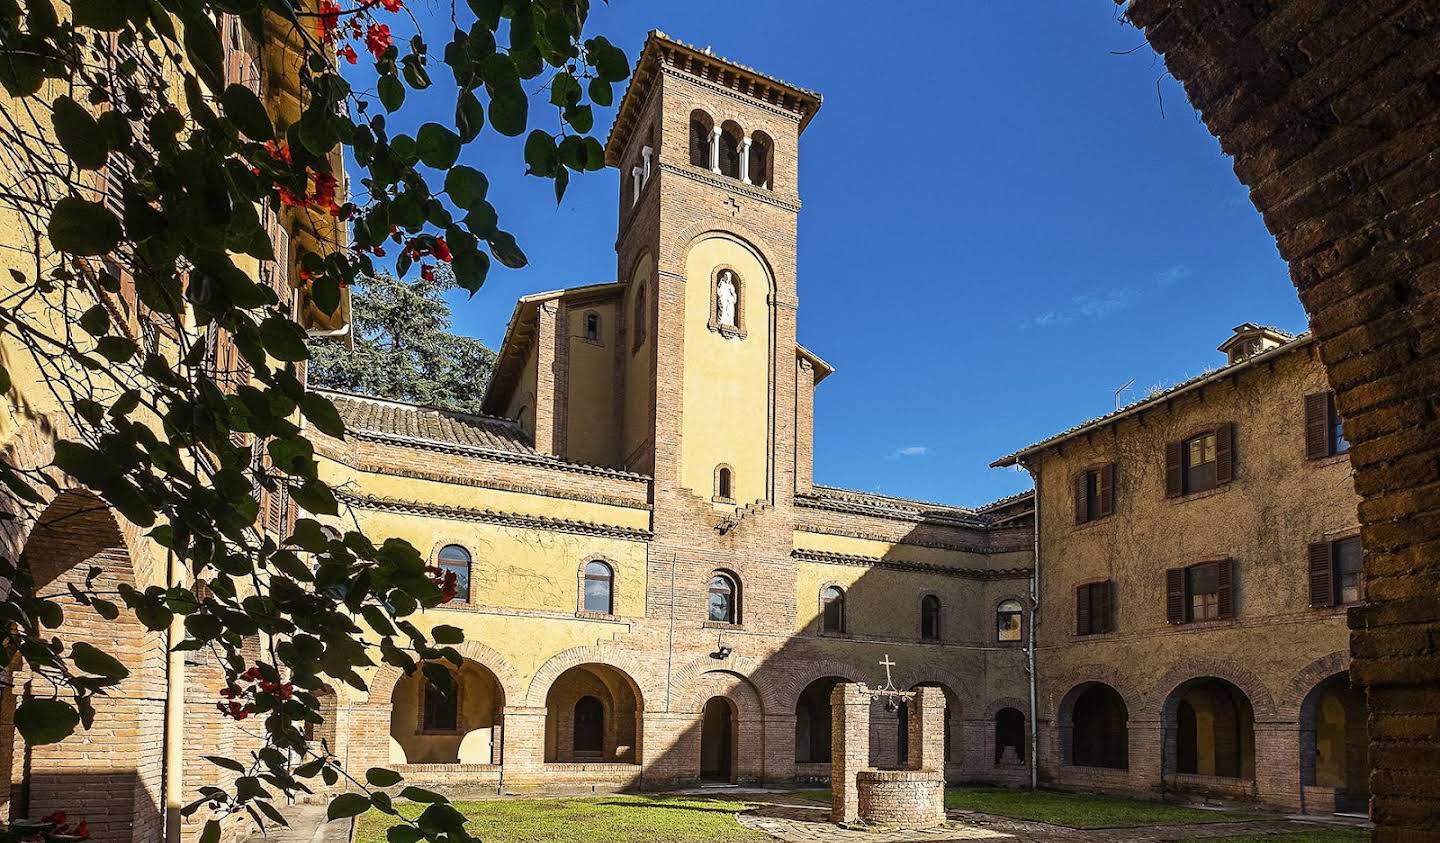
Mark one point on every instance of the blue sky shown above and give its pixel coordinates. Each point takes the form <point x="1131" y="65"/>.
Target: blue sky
<point x="1000" y="227"/>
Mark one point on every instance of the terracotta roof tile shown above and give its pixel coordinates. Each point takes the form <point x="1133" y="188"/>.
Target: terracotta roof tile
<point x="362" y="413"/>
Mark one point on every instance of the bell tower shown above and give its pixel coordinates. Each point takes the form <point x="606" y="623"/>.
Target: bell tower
<point x="707" y="153"/>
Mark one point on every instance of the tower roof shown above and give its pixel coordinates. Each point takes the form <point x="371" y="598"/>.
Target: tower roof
<point x="661" y="50"/>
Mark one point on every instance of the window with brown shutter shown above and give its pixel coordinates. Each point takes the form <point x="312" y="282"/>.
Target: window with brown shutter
<point x="1174" y="469"/>
<point x="1094" y="491"/>
<point x="1317" y="425"/>
<point x="1225" y="588"/>
<point x="1093" y="607"/>
<point x="1224" y="453"/>
<point x="1322" y="567"/>
<point x="1175" y="595"/>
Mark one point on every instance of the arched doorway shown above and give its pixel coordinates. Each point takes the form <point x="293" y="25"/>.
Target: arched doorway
<point x="588" y="742"/>
<point x="717" y="741"/>
<point x="1209" y="730"/>
<point x="430" y="726"/>
<point x="1334" y="742"/>
<point x="812" y="721"/>
<point x="102" y="775"/>
<point x="592" y="714"/>
<point x="1094" y="728"/>
<point x="1009" y="737"/>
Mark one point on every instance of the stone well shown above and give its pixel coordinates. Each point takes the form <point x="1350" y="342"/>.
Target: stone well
<point x="913" y="797"/>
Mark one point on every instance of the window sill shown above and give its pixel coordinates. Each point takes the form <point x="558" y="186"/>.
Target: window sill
<point x="727" y="331"/>
<point x="595" y="342"/>
<point x="1321" y="462"/>
<point x="1094" y="522"/>
<point x="1091" y="636"/>
<point x="595" y="616"/>
<point x="1218" y="623"/>
<point x="940" y="641"/>
<point x="1203" y="493"/>
<point x="724" y="500"/>
<point x="830" y="633"/>
<point x="738" y="627"/>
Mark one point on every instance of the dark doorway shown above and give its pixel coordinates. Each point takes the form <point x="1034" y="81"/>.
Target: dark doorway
<point x="589" y="727"/>
<point x="1099" y="733"/>
<point x="1009" y="736"/>
<point x="717" y="741"/>
<point x="812" y="721"/>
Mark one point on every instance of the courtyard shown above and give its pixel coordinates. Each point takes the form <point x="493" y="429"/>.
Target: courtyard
<point x="974" y="813"/>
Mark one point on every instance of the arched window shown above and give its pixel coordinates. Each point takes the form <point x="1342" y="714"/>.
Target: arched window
<point x="700" y="130"/>
<point x="930" y="617"/>
<point x="724" y="478"/>
<point x="759" y="163"/>
<point x="730" y="140"/>
<point x="599" y="588"/>
<point x="455" y="559"/>
<point x="1007" y="621"/>
<point x="832" y="609"/>
<point x="1009" y="736"/>
<point x="724" y="604"/>
<point x="638" y="328"/>
<point x="592" y="326"/>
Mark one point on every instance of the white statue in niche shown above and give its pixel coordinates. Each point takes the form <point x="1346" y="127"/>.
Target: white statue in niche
<point x="725" y="299"/>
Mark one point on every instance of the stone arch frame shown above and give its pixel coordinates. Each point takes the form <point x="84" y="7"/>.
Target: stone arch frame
<point x="1153" y="706"/>
<point x="844" y="608"/>
<point x="717" y="497"/>
<point x="648" y="687"/>
<point x="1167" y="713"/>
<point x="798" y="676"/>
<point x="580" y="584"/>
<point x="382" y="684"/>
<point x="1292" y="701"/>
<point x="1064" y="726"/>
<point x="1025" y="609"/>
<point x="702" y="229"/>
<point x="732" y="137"/>
<point x="762" y="139"/>
<point x="630" y="321"/>
<point x="738" y="330"/>
<point x="617" y="682"/>
<point x="686" y="695"/>
<point x="585" y="317"/>
<point x="739" y="595"/>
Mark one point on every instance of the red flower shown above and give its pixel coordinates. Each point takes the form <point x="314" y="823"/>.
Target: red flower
<point x="427" y="272"/>
<point x="325" y="187"/>
<point x="347" y="53"/>
<point x="279" y="151"/>
<point x="442" y="250"/>
<point x="378" y="251"/>
<point x="391" y="5"/>
<point x="328" y="20"/>
<point x="377" y="39"/>
<point x="57" y="818"/>
<point x="83" y="830"/>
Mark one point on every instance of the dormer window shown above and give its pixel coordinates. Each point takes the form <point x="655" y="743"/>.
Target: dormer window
<point x="1250" y="339"/>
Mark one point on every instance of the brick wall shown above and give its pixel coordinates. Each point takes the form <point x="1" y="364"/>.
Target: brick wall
<point x="1329" y="111"/>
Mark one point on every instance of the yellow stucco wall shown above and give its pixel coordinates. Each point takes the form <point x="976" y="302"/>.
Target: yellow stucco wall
<point x="726" y="399"/>
<point x="637" y="364"/>
<point x="592" y="432"/>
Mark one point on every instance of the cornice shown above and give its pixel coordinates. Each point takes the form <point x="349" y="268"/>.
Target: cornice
<point x="733" y="185"/>
<point x="891" y="513"/>
<point x="829" y="558"/>
<point x="830" y="530"/>
<point x="669" y="69"/>
<point x="491" y="516"/>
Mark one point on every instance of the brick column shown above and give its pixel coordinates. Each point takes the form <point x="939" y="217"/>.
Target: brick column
<point x="547" y="403"/>
<point x="849" y="748"/>
<point x="927" y="730"/>
<point x="804" y="426"/>
<point x="1147" y="746"/>
<point x="1277" y="764"/>
<point x="671" y="748"/>
<point x="523" y="750"/>
<point x="779" y="765"/>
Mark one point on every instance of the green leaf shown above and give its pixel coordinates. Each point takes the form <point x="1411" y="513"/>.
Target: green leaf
<point x="404" y="834"/>
<point x="446" y="634"/>
<point x="227" y="763"/>
<point x="488" y="11"/>
<point x="93" y="660"/>
<point x="469" y="116"/>
<point x="283" y="339"/>
<point x="116" y="349"/>
<point x="347" y="805"/>
<point x="609" y="60"/>
<point x="95" y="321"/>
<point x="506" y="250"/>
<point x="203" y="47"/>
<point x="87" y="229"/>
<point x="601" y="93"/>
<point x="438" y="146"/>
<point x="78" y="133"/>
<point x="391" y="91"/>
<point x="564" y="90"/>
<point x="315" y="497"/>
<point x="509" y="111"/>
<point x="321" y="412"/>
<point x="581" y="117"/>
<point x="420" y="794"/>
<point x="540" y="152"/>
<point x="466" y="186"/>
<point x="42" y="721"/>
<point x="381" y="777"/>
<point x="470" y="269"/>
<point x="211" y="834"/>
<point x="247" y="112"/>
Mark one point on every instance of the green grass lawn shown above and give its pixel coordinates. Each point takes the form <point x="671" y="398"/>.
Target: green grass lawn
<point x="635" y="819"/>
<point x="1073" y="810"/>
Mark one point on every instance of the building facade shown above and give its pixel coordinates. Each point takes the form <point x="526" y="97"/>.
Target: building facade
<point x="1197" y="552"/>
<point x="653" y="590"/>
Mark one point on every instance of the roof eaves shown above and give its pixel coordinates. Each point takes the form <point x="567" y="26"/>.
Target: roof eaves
<point x="1015" y="458"/>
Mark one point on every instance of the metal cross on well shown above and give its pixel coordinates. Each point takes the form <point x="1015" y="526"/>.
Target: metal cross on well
<point x="889" y="685"/>
<point x="734" y="206"/>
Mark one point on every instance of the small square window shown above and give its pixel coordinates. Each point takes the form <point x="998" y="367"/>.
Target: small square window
<point x="1203" y="587"/>
<point x="1349" y="570"/>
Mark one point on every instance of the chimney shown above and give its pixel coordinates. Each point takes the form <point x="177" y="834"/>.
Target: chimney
<point x="1250" y="339"/>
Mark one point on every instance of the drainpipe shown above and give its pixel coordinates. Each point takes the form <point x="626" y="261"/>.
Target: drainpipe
<point x="174" y="785"/>
<point x="1030" y="649"/>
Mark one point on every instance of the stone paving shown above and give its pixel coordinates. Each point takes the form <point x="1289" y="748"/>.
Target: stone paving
<point x="799" y="823"/>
